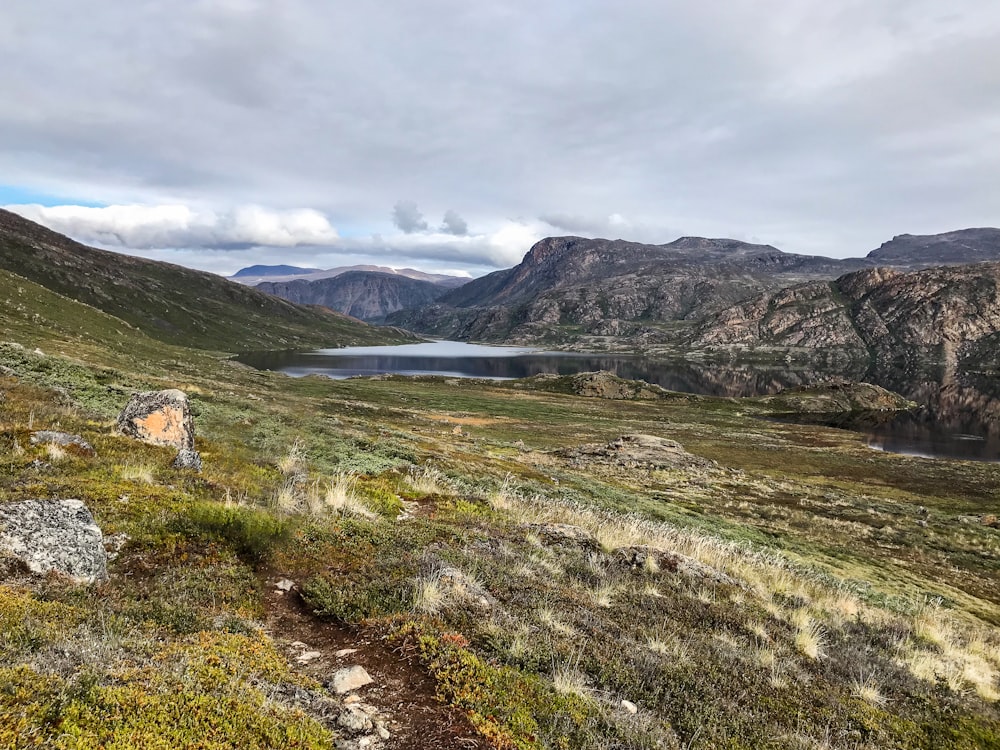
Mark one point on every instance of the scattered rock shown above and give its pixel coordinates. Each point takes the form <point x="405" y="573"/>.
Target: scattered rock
<point x="354" y="719"/>
<point x="54" y="535"/>
<point x="286" y="585"/>
<point x="456" y="430"/>
<point x="350" y="678"/>
<point x="637" y="557"/>
<point x="63" y="439"/>
<point x="159" y="418"/>
<point x="630" y="707"/>
<point x="187" y="458"/>
<point x="345" y="652"/>
<point x="113" y="544"/>
<point x="637" y="451"/>
<point x="990" y="520"/>
<point x="308" y="656"/>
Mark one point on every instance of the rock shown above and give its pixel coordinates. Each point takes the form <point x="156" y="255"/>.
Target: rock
<point x="461" y="586"/>
<point x="990" y="520"/>
<point x="345" y="652"/>
<point x="354" y="719"/>
<point x="159" y="418"/>
<point x="605" y="384"/>
<point x="187" y="458"/>
<point x="308" y="656"/>
<point x="630" y="707"/>
<point x="54" y="535"/>
<point x="285" y="585"/>
<point x="561" y="533"/>
<point x="350" y="678"/>
<point x="637" y="451"/>
<point x="64" y="439"/>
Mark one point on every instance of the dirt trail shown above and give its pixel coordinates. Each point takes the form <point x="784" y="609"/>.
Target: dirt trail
<point x="415" y="718"/>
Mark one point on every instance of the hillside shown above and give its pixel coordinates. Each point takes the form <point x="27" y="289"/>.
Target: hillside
<point x="935" y="313"/>
<point x="272" y="274"/>
<point x="264" y="271"/>
<point x="170" y="303"/>
<point x="365" y="295"/>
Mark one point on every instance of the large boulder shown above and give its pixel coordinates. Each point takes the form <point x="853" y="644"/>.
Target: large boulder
<point x="636" y="452"/>
<point x="159" y="418"/>
<point x="54" y="535"/>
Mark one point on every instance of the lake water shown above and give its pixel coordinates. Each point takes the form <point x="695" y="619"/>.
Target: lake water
<point x="959" y="415"/>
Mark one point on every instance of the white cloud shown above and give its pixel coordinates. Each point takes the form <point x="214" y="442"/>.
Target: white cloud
<point x="177" y="226"/>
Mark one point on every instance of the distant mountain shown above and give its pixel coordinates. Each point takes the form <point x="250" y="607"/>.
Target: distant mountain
<point x="170" y="303"/>
<point x="568" y="286"/>
<point x="366" y="295"/>
<point x="255" y="271"/>
<point x="950" y="248"/>
<point x="446" y="281"/>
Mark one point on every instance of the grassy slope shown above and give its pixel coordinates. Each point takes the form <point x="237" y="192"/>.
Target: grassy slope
<point x="173" y="304"/>
<point x="830" y="639"/>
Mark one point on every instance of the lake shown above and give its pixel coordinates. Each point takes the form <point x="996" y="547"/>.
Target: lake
<point x="959" y="415"/>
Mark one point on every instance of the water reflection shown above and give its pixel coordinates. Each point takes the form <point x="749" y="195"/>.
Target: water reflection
<point x="959" y="415"/>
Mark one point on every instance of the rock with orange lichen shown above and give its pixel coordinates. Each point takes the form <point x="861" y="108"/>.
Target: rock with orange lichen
<point x="159" y="418"/>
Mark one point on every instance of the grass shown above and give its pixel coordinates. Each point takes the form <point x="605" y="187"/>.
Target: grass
<point x="724" y="601"/>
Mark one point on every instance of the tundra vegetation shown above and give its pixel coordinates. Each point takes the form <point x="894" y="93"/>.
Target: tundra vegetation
<point x="792" y="589"/>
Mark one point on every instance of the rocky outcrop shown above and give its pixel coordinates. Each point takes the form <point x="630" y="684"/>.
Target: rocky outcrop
<point x="159" y="418"/>
<point x="64" y="440"/>
<point x="837" y="396"/>
<point x="54" y="535"/>
<point x="636" y="452"/>
<point x="360" y="294"/>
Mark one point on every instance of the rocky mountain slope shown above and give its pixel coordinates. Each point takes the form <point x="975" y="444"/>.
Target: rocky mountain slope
<point x="170" y="303"/>
<point x="361" y="294"/>
<point x="254" y="272"/>
<point x="568" y="285"/>
<point x="949" y="248"/>
<point x="937" y="312"/>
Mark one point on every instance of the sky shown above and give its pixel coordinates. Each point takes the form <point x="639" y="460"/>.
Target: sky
<point x="451" y="135"/>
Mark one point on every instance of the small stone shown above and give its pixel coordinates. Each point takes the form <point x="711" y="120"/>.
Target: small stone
<point x="345" y="652"/>
<point x="308" y="656"/>
<point x="352" y="698"/>
<point x="354" y="719"/>
<point x="630" y="707"/>
<point x="381" y="730"/>
<point x="350" y="678"/>
<point x="285" y="585"/>
<point x="298" y="644"/>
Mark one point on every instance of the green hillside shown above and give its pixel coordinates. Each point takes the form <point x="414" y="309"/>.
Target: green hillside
<point x="174" y="304"/>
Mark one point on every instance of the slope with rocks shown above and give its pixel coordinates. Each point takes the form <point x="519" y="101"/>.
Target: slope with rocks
<point x="366" y="295"/>
<point x="173" y="304"/>
<point x="937" y="312"/>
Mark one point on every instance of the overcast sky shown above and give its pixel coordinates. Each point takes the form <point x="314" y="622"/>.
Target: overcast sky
<point x="448" y="134"/>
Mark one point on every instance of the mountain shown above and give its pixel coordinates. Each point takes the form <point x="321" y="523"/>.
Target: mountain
<point x="259" y="271"/>
<point x="949" y="248"/>
<point x="446" y="281"/>
<point x="362" y="294"/>
<point x="935" y="313"/>
<point x="565" y="286"/>
<point x="169" y="303"/>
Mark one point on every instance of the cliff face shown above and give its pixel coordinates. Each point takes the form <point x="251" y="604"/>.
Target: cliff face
<point x="943" y="312"/>
<point x="360" y="294"/>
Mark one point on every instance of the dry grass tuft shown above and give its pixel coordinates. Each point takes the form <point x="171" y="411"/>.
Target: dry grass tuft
<point x="568" y="680"/>
<point x="867" y="687"/>
<point x="138" y="473"/>
<point x="428" y="595"/>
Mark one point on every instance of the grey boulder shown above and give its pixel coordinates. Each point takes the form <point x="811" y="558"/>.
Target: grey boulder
<point x="54" y="535"/>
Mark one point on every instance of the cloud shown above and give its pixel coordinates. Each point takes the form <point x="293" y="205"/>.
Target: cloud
<point x="407" y="217"/>
<point x="177" y="226"/>
<point x="454" y="224"/>
<point x="829" y="128"/>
